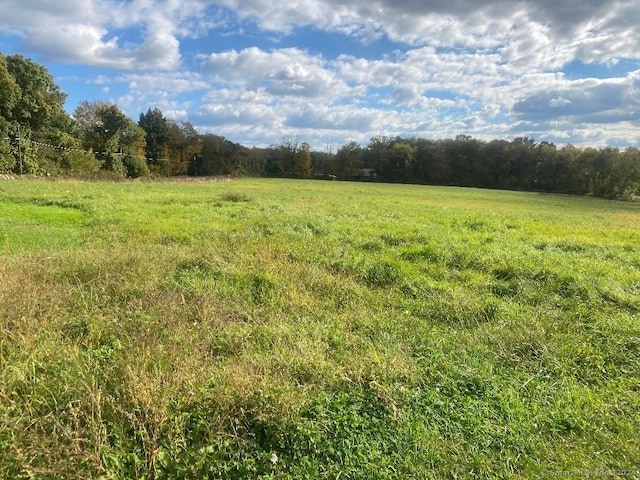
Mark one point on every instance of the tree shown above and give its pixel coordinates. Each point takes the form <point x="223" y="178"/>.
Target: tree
<point x="467" y="160"/>
<point x="522" y="150"/>
<point x="376" y="155"/>
<point x="302" y="162"/>
<point x="612" y="174"/>
<point x="573" y="179"/>
<point x="626" y="172"/>
<point x="321" y="163"/>
<point x="211" y="161"/>
<point x="115" y="139"/>
<point x="281" y="158"/>
<point x="272" y="166"/>
<point x="348" y="161"/>
<point x="39" y="99"/>
<point x="588" y="160"/>
<point x="254" y="162"/>
<point x="439" y="169"/>
<point x="32" y="117"/>
<point x="401" y="160"/>
<point x="286" y="153"/>
<point x="86" y="114"/>
<point x="184" y="146"/>
<point x="157" y="135"/>
<point x="9" y="91"/>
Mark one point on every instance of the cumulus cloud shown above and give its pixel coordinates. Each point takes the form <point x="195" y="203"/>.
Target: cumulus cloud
<point x="584" y="101"/>
<point x="93" y="46"/>
<point x="339" y="118"/>
<point x="171" y="92"/>
<point x="238" y="113"/>
<point x="164" y="83"/>
<point x="283" y="72"/>
<point x="477" y="24"/>
<point x="81" y="31"/>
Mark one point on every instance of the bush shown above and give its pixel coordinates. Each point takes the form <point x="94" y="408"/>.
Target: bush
<point x="135" y="167"/>
<point x="7" y="162"/>
<point x="80" y="163"/>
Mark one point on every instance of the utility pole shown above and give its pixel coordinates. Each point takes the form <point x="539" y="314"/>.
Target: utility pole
<point x="19" y="150"/>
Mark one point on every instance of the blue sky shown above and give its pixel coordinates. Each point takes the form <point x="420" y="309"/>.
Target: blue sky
<point x="328" y="72"/>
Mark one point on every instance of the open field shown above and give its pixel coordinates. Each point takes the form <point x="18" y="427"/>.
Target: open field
<point x="307" y="329"/>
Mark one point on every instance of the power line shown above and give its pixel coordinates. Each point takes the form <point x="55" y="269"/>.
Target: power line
<point x="19" y="149"/>
<point x="71" y="149"/>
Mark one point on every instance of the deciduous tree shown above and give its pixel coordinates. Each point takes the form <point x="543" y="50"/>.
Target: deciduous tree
<point x="115" y="139"/>
<point x="348" y="160"/>
<point x="302" y="162"/>
<point x="39" y="99"/>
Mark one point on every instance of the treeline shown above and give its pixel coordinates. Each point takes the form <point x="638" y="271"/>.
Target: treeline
<point x="38" y="137"/>
<point x="521" y="164"/>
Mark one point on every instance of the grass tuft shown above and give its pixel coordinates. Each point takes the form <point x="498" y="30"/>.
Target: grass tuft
<point x="235" y="197"/>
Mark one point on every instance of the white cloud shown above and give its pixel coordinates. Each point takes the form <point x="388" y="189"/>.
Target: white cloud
<point x="100" y="80"/>
<point x="238" y="113"/>
<point x="527" y="31"/>
<point x="169" y="91"/>
<point x="590" y="101"/>
<point x="164" y="83"/>
<point x="523" y="26"/>
<point x="283" y="72"/>
<point x="82" y="31"/>
<point x="559" y="102"/>
<point x="483" y="67"/>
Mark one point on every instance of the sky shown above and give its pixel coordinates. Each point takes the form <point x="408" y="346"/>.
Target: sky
<point x="328" y="72"/>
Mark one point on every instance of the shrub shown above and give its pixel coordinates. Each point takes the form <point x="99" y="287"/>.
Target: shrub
<point x="135" y="167"/>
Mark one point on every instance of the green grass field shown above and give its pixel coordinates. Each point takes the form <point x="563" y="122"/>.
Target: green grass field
<point x="306" y="329"/>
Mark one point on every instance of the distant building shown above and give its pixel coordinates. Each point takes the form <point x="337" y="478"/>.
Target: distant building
<point x="369" y="173"/>
<point x="364" y="174"/>
<point x="325" y="176"/>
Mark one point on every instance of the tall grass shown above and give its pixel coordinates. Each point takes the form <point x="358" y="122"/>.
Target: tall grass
<point x="300" y="329"/>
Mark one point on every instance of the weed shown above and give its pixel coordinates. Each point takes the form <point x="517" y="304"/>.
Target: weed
<point x="235" y="197"/>
<point x="380" y="274"/>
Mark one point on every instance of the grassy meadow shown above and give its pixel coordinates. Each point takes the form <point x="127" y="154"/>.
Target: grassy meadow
<point x="262" y="328"/>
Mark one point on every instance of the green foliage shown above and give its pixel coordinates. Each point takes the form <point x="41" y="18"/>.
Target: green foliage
<point x="521" y="164"/>
<point x="7" y="160"/>
<point x="31" y="117"/>
<point x="80" y="163"/>
<point x="37" y="137"/>
<point x="183" y="146"/>
<point x="156" y="128"/>
<point x="348" y="161"/>
<point x="39" y="99"/>
<point x="302" y="162"/>
<point x="289" y="159"/>
<point x="135" y="166"/>
<point x="113" y="164"/>
<point x="9" y="90"/>
<point x="212" y="159"/>
<point x="236" y="197"/>
<point x="115" y="139"/>
<point x="219" y="156"/>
